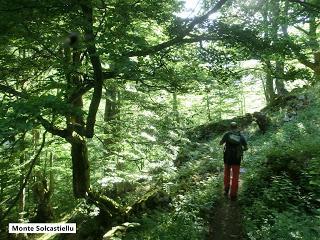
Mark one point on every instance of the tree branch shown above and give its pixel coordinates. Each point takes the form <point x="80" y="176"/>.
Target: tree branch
<point x="302" y="58"/>
<point x="202" y="18"/>
<point x="12" y="91"/>
<point x="33" y="162"/>
<point x="305" y="4"/>
<point x="179" y="38"/>
<point x="99" y="76"/>
<point x="97" y="69"/>
<point x="90" y="84"/>
<point x="301" y="29"/>
<point x="77" y="93"/>
<point x="64" y="133"/>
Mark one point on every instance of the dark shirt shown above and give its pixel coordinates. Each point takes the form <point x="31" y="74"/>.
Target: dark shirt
<point x="233" y="153"/>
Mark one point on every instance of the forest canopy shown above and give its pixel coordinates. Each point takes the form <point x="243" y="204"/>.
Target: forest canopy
<point x="104" y="102"/>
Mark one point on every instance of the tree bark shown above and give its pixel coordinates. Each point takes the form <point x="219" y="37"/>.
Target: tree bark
<point x="317" y="72"/>
<point x="208" y="105"/>
<point x="51" y="175"/>
<point x="279" y="82"/>
<point x="269" y="88"/>
<point x="98" y="76"/>
<point x="279" y="64"/>
<point x="22" y="197"/>
<point x="315" y="45"/>
<point x="264" y="88"/>
<point x="111" y="108"/>
<point x="80" y="167"/>
<point x="270" y="94"/>
<point x="175" y="107"/>
<point x="111" y="113"/>
<point x="220" y="103"/>
<point x="76" y="126"/>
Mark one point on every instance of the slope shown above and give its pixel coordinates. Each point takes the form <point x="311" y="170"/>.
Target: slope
<point x="279" y="197"/>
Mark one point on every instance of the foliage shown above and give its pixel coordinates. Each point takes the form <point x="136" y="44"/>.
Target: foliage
<point x="120" y="85"/>
<point x="281" y="191"/>
<point x="190" y="209"/>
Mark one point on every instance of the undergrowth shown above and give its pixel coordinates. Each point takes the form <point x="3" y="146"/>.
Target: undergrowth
<point x="281" y="191"/>
<point x="280" y="196"/>
<point x="194" y="190"/>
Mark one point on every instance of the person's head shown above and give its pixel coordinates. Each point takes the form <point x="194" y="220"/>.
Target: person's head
<point x="233" y="125"/>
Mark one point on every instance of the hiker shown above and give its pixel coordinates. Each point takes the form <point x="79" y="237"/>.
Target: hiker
<point x="262" y="121"/>
<point x="235" y="144"/>
<point x="291" y="113"/>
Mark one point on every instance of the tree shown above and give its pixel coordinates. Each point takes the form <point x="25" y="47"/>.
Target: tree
<point x="73" y="70"/>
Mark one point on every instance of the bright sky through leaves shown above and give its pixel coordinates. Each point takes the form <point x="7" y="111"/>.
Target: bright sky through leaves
<point x="191" y="8"/>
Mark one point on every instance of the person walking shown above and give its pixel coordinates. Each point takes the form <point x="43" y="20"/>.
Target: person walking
<point x="234" y="145"/>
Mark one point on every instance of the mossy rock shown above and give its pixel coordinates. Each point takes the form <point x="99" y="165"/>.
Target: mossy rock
<point x="156" y="198"/>
<point x="210" y="130"/>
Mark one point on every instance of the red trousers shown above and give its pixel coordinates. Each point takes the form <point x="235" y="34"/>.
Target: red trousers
<point x="235" y="178"/>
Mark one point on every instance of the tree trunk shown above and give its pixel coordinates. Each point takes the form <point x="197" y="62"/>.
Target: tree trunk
<point x="80" y="166"/>
<point x="220" y="103"/>
<point x="242" y="101"/>
<point x="111" y="113"/>
<point x="317" y="72"/>
<point x="175" y="107"/>
<point x="315" y="45"/>
<point x="51" y="176"/>
<point x="264" y="89"/>
<point x="280" y="87"/>
<point x="279" y="64"/>
<point x="111" y="108"/>
<point x="270" y="94"/>
<point x="279" y="71"/>
<point x="22" y="198"/>
<point x="42" y="191"/>
<point x="242" y="105"/>
<point x="208" y="105"/>
<point x="76" y="125"/>
<point x="79" y="152"/>
<point x="269" y="89"/>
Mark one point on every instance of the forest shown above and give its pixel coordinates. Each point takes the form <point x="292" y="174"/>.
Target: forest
<point x="113" y="116"/>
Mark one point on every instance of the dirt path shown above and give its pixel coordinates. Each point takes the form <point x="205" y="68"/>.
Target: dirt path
<point x="226" y="220"/>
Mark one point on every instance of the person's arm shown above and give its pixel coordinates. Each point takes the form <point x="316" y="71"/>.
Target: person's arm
<point x="223" y="140"/>
<point x="244" y="143"/>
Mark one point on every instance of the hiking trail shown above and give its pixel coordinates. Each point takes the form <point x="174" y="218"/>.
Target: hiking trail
<point x="226" y="219"/>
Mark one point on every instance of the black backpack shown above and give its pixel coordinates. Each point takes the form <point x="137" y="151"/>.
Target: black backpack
<point x="234" y="138"/>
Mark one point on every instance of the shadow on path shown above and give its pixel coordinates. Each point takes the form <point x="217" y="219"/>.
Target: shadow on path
<point x="226" y="220"/>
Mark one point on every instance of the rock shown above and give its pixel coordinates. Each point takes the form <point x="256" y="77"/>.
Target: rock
<point x="115" y="233"/>
<point x="119" y="231"/>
